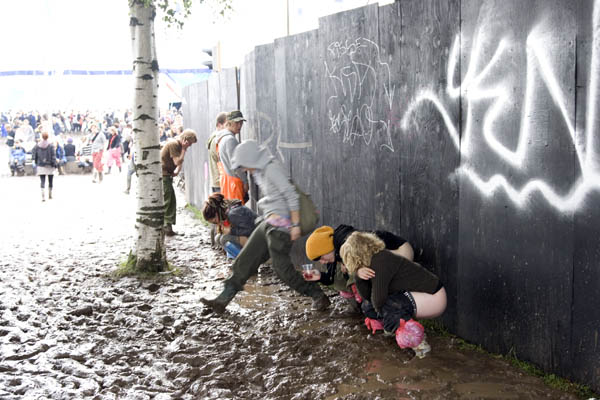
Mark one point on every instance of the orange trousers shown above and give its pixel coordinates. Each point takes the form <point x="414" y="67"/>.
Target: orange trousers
<point x="232" y="187"/>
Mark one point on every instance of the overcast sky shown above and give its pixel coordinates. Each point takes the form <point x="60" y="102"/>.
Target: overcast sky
<point x="94" y="34"/>
<point x="57" y="35"/>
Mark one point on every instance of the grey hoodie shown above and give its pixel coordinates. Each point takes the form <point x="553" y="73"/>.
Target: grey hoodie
<point x="279" y="195"/>
<point x="227" y="144"/>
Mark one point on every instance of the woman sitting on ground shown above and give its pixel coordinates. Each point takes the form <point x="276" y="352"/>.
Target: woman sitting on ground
<point x="235" y="222"/>
<point x="393" y="287"/>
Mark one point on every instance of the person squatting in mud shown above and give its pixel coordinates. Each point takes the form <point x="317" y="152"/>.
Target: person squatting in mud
<point x="234" y="221"/>
<point x="395" y="290"/>
<point x="324" y="244"/>
<point x="273" y="236"/>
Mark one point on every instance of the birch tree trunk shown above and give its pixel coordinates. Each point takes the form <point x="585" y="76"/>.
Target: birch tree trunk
<point x="150" y="255"/>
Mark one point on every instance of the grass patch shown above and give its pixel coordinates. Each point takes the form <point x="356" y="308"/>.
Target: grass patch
<point x="127" y="268"/>
<point x="436" y="328"/>
<point x="197" y="214"/>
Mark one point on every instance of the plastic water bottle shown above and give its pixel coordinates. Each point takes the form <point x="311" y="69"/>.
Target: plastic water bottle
<point x="232" y="249"/>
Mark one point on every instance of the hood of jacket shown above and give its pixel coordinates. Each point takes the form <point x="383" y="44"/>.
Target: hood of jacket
<point x="249" y="154"/>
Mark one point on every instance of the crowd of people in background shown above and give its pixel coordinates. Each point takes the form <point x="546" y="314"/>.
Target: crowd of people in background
<point x="71" y="132"/>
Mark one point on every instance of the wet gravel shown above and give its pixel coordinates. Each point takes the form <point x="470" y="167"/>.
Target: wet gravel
<point x="69" y="330"/>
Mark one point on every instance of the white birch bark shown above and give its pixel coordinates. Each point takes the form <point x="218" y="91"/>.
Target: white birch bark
<point x="150" y="248"/>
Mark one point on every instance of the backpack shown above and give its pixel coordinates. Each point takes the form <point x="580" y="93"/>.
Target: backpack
<point x="308" y="212"/>
<point x="45" y="156"/>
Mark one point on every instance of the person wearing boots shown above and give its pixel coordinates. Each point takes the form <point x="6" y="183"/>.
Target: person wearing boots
<point x="273" y="236"/>
<point x="324" y="244"/>
<point x="395" y="290"/>
<point x="171" y="156"/>
<point x="44" y="157"/>
<point x="98" y="141"/>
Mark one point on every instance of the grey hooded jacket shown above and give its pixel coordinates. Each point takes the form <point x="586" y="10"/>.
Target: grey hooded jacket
<point x="279" y="195"/>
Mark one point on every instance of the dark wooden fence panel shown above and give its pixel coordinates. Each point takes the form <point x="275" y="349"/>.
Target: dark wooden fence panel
<point x="468" y="127"/>
<point x="348" y="141"/>
<point x="428" y="146"/>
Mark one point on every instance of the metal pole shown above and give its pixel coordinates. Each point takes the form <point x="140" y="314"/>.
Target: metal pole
<point x="288" y="16"/>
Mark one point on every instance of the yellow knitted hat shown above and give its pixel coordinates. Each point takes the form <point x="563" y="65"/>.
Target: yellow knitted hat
<point x="320" y="242"/>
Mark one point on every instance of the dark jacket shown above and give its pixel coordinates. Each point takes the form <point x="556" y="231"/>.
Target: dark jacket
<point x="44" y="156"/>
<point x="10" y="138"/>
<point x="395" y="274"/>
<point x="114" y="141"/>
<point x="69" y="150"/>
<point x="241" y="219"/>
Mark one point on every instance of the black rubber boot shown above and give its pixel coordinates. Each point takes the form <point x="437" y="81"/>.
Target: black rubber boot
<point x="219" y="304"/>
<point x="320" y="302"/>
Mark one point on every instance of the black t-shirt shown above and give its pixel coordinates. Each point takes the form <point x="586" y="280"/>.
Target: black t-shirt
<point x="10" y="139"/>
<point x="69" y="150"/>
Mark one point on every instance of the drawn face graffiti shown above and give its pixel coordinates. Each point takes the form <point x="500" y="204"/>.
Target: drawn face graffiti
<point x="356" y="78"/>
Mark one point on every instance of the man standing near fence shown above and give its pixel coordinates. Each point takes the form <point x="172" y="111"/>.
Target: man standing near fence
<point x="171" y="157"/>
<point x="234" y="183"/>
<point x="213" y="156"/>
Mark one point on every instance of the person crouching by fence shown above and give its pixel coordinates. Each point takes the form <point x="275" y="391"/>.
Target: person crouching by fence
<point x="273" y="237"/>
<point x="394" y="290"/>
<point x="234" y="222"/>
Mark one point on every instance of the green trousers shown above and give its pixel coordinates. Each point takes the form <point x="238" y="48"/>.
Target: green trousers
<point x="170" y="200"/>
<point x="264" y="242"/>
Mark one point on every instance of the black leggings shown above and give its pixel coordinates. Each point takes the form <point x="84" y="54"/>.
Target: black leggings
<point x="43" y="181"/>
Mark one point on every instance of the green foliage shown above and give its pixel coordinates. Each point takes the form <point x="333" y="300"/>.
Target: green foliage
<point x="175" y="12"/>
<point x="197" y="214"/>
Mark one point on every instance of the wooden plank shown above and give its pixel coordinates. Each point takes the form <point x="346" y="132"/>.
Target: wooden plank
<point x="346" y="144"/>
<point x="428" y="156"/>
<point x="515" y="275"/>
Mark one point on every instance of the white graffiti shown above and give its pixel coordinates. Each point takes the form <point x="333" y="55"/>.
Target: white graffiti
<point x="354" y="72"/>
<point x="475" y="91"/>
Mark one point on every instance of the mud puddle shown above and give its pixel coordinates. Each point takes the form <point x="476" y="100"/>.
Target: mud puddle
<point x="69" y="331"/>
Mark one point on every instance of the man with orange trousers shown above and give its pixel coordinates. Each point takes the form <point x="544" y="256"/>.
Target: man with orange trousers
<point x="234" y="183"/>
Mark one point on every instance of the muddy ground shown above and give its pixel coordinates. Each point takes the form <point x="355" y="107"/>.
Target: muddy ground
<point x="68" y="330"/>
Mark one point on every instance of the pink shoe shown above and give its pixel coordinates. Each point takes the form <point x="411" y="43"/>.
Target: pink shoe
<point x="373" y="325"/>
